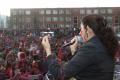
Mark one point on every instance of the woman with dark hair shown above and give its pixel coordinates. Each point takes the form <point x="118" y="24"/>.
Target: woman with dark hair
<point x="94" y="60"/>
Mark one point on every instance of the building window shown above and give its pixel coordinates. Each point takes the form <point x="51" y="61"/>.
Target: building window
<point x="14" y="12"/>
<point x="14" y="26"/>
<point x="21" y="12"/>
<point x="67" y="25"/>
<point x="116" y="19"/>
<point x="117" y="23"/>
<point x="48" y="11"/>
<point x="14" y="19"/>
<point x="20" y="20"/>
<point x="27" y="12"/>
<point x="55" y="18"/>
<point x="61" y="11"/>
<point x="75" y="20"/>
<point x="95" y="11"/>
<point x="28" y="26"/>
<point x="82" y="11"/>
<point x="42" y="12"/>
<point x="68" y="19"/>
<point x="22" y="26"/>
<point x="23" y="19"/>
<point x="61" y="25"/>
<point x="61" y="19"/>
<point x="51" y="25"/>
<point x="109" y="11"/>
<point x="55" y="12"/>
<point x="88" y="11"/>
<point x="81" y="17"/>
<point x="48" y="25"/>
<point x="102" y="11"/>
<point x="28" y="20"/>
<point x="109" y="19"/>
<point x="68" y="11"/>
<point x="48" y="19"/>
<point x="55" y="25"/>
<point x="40" y="19"/>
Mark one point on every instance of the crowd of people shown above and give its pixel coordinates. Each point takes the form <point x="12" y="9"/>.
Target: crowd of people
<point x="21" y="54"/>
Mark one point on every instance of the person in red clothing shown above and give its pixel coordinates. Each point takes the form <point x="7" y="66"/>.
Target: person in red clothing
<point x="10" y="62"/>
<point x="9" y="71"/>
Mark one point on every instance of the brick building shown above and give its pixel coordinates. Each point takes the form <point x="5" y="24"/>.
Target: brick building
<point x="53" y="18"/>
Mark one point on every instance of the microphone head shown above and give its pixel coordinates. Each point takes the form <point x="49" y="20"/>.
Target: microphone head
<point x="80" y="40"/>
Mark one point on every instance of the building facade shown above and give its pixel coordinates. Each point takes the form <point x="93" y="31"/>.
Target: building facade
<point x="54" y="18"/>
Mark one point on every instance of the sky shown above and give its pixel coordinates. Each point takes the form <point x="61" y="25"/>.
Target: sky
<point x="6" y="5"/>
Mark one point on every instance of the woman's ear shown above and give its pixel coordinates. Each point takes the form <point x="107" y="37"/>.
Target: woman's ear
<point x="89" y="31"/>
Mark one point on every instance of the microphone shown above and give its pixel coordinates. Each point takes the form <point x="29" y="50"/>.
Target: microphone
<point x="68" y="44"/>
<point x="79" y="39"/>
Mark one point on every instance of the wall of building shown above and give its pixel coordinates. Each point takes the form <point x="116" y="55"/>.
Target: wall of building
<point x="43" y="18"/>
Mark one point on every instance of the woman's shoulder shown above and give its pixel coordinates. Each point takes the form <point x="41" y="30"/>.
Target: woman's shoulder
<point x="91" y="47"/>
<point x="88" y="45"/>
